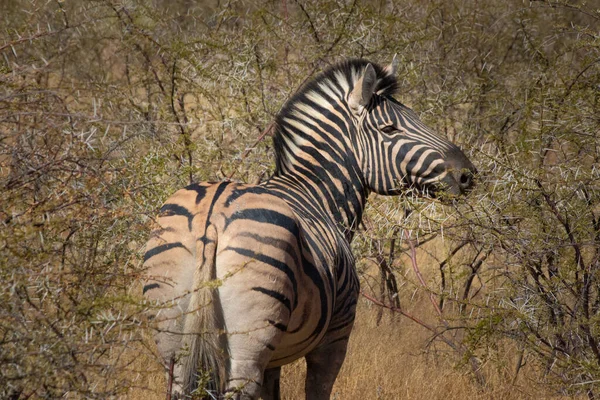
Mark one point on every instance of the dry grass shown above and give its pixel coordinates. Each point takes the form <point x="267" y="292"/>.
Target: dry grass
<point x="389" y="361"/>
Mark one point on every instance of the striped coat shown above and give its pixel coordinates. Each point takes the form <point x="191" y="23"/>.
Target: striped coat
<point x="247" y="278"/>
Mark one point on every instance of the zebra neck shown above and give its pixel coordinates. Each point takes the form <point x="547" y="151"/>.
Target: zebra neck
<point x="316" y="161"/>
<point x="336" y="194"/>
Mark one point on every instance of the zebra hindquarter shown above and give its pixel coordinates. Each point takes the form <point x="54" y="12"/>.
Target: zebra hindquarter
<point x="169" y="266"/>
<point x="259" y="274"/>
<point x="224" y="267"/>
<point x="180" y="282"/>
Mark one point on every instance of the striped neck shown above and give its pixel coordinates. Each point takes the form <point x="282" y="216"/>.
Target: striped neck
<point x="316" y="143"/>
<point x="327" y="182"/>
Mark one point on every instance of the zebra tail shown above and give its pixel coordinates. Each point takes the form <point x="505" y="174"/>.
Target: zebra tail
<point x="204" y="369"/>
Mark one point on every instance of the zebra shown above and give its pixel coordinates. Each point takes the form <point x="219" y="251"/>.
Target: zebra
<point x="247" y="278"/>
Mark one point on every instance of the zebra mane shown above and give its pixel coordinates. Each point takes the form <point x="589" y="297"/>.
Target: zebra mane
<point x="341" y="78"/>
<point x="387" y="85"/>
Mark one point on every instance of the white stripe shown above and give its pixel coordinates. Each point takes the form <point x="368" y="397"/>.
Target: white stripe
<point x="319" y="100"/>
<point x="409" y="155"/>
<point x="433" y="164"/>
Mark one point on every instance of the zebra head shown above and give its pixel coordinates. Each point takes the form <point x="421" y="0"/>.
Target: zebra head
<point x="394" y="147"/>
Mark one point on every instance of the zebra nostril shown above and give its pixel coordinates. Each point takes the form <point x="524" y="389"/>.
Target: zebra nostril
<point x="466" y="179"/>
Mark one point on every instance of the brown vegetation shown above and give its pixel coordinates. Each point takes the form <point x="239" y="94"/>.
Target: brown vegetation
<point x="109" y="106"/>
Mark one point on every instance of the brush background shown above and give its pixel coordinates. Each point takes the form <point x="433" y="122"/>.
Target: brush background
<point x="109" y="106"/>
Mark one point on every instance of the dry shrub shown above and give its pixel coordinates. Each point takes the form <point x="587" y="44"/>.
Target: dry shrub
<point x="108" y="106"/>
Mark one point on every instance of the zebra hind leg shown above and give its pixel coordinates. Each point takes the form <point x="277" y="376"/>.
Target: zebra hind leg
<point x="270" y="386"/>
<point x="322" y="367"/>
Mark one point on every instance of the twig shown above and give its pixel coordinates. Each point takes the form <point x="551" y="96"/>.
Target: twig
<point x="170" y="382"/>
<point x="264" y="133"/>
<point x="458" y="347"/>
<point x="411" y="317"/>
<point x="413" y="259"/>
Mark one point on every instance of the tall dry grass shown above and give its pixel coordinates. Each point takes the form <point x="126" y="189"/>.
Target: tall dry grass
<point x="389" y="361"/>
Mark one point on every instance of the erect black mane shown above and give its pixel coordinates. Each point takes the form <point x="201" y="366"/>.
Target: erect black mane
<point x="387" y="85"/>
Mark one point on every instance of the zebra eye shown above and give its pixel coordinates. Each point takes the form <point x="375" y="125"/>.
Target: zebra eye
<point x="388" y="129"/>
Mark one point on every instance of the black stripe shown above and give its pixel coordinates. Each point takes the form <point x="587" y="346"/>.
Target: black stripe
<point x="237" y="193"/>
<point x="284" y="245"/>
<point x="276" y="295"/>
<point x="431" y="157"/>
<point x="318" y="174"/>
<point x="344" y="308"/>
<point x="199" y="189"/>
<point x="411" y="164"/>
<point x="314" y="123"/>
<point x="306" y="208"/>
<point x="159" y="231"/>
<point x="274" y="263"/>
<point x="216" y="196"/>
<point x="311" y="271"/>
<point x="205" y="240"/>
<point x="170" y="209"/>
<point x="278" y="325"/>
<point x="344" y="267"/>
<point x="164" y="247"/>
<point x="150" y="286"/>
<point x="383" y="166"/>
<point x="326" y="171"/>
<point x="267" y="216"/>
<point x="345" y="324"/>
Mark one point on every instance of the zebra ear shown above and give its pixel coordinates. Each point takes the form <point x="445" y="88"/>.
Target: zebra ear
<point x="363" y="89"/>
<point x="393" y="67"/>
